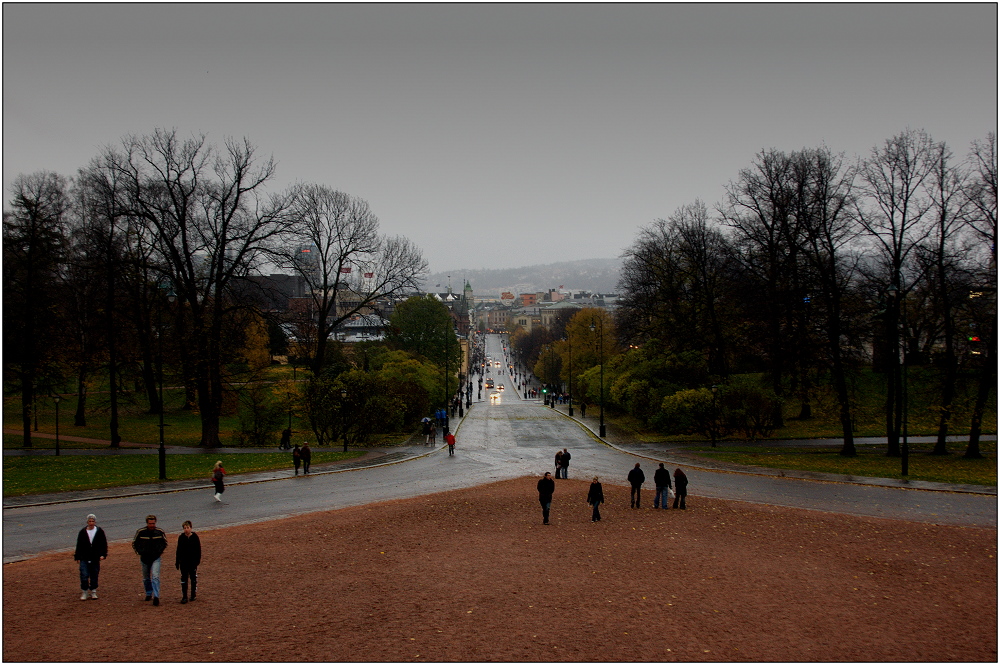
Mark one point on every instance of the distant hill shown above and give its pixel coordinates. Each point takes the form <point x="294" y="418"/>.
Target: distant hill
<point x="597" y="275"/>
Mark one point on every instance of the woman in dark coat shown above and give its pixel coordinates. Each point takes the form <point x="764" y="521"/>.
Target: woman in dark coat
<point x="595" y="497"/>
<point x="681" y="487"/>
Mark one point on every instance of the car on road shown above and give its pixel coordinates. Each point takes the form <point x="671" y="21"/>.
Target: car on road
<point x="495" y="396"/>
<point x="500" y="387"/>
<point x="489" y="383"/>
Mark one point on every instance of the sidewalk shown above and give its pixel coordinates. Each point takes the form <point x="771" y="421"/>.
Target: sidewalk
<point x="669" y="453"/>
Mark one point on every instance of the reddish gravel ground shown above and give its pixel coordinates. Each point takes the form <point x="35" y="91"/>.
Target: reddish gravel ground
<point x="473" y="575"/>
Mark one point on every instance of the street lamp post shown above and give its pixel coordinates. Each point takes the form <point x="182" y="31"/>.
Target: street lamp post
<point x="600" y="341"/>
<point x="343" y="416"/>
<point x="57" y="399"/>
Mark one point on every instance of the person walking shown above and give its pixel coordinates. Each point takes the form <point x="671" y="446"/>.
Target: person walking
<point x="449" y="438"/>
<point x="296" y="458"/>
<point x="681" y="487"/>
<point x="558" y="464"/>
<point x="187" y="559"/>
<point x="426" y="430"/>
<point x="595" y="497"/>
<point x="218" y="473"/>
<point x="565" y="463"/>
<point x="150" y="543"/>
<point x="286" y="439"/>
<point x="662" y="481"/>
<point x="434" y="433"/>
<point x="636" y="478"/>
<point x="546" y="487"/>
<point x="306" y="455"/>
<point x="91" y="549"/>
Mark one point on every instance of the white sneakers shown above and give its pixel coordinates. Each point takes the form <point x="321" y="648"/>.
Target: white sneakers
<point x="218" y="498"/>
<point x="93" y="594"/>
<point x="83" y="595"/>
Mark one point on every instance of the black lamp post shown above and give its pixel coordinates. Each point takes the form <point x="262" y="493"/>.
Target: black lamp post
<point x="343" y="415"/>
<point x="715" y="414"/>
<point x="57" y="399"/>
<point x="600" y="341"/>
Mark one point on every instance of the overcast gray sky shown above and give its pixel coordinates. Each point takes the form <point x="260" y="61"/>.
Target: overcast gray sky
<point x="498" y="135"/>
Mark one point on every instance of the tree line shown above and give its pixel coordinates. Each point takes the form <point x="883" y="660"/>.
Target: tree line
<point x="811" y="269"/>
<point x="150" y="252"/>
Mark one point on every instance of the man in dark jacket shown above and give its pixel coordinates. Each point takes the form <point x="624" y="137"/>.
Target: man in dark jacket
<point x="306" y="454"/>
<point x="636" y="478"/>
<point x="546" y="486"/>
<point x="91" y="549"/>
<point x="662" y="481"/>
<point x="187" y="560"/>
<point x="149" y="544"/>
<point x="565" y="463"/>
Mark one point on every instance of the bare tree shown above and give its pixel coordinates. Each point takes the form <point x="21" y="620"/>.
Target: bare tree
<point x="981" y="190"/>
<point x="33" y="247"/>
<point x="893" y="211"/>
<point x="207" y="216"/>
<point x="348" y="267"/>
<point x="939" y="257"/>
<point x="823" y="212"/>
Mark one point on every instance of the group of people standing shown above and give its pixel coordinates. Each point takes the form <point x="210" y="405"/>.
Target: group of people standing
<point x="664" y="489"/>
<point x="595" y="495"/>
<point x="562" y="463"/>
<point x="149" y="543"/>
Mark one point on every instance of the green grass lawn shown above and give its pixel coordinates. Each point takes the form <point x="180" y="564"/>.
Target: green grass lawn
<point x="48" y="473"/>
<point x="871" y="461"/>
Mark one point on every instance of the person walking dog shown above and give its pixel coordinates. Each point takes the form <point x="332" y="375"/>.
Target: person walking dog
<point x="91" y="549"/>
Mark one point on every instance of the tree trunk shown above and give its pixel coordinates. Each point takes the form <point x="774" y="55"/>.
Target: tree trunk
<point x="987" y="382"/>
<point x="892" y="379"/>
<point x="80" y="417"/>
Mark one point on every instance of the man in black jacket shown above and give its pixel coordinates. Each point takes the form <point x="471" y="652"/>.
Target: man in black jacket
<point x="546" y="486"/>
<point x="636" y="478"/>
<point x="565" y="462"/>
<point x="91" y="549"/>
<point x="187" y="559"/>
<point x="662" y="481"/>
<point x="149" y="544"/>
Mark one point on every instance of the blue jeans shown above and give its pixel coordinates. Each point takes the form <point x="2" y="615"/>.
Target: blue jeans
<point x="89" y="571"/>
<point x="151" y="578"/>
<point x="546" y="505"/>
<point x="661" y="492"/>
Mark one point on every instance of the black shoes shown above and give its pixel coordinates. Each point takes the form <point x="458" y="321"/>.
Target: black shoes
<point x="184" y="600"/>
<point x="156" y="600"/>
<point x="148" y="598"/>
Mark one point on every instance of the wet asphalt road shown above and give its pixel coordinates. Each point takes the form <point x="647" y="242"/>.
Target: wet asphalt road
<point x="508" y="438"/>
